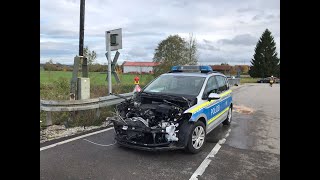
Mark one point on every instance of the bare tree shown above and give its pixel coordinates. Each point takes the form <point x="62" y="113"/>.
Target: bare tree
<point x="192" y="54"/>
<point x="90" y="55"/>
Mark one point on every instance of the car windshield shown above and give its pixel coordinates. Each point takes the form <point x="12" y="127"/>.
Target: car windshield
<point x="174" y="84"/>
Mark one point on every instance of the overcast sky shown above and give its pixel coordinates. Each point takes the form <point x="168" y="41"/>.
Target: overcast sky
<point x="226" y="30"/>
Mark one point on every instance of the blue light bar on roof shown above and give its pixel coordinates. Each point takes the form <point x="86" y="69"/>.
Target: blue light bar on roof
<point x="206" y="68"/>
<point x="174" y="68"/>
<point x="203" y="69"/>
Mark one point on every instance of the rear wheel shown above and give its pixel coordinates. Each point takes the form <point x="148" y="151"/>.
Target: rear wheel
<point x="229" y="117"/>
<point x="197" y="137"/>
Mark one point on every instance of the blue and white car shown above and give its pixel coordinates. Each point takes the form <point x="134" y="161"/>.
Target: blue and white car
<point x="175" y="111"/>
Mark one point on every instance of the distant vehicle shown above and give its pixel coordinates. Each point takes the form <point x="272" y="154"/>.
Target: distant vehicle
<point x="267" y="80"/>
<point x="230" y="77"/>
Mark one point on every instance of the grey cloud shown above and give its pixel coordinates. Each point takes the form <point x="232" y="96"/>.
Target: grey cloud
<point x="180" y="3"/>
<point x="270" y="16"/>
<point x="142" y="33"/>
<point x="242" y="39"/>
<point x="137" y="52"/>
<point x="207" y="45"/>
<point x="207" y="41"/>
<point x="55" y="52"/>
<point x="257" y="17"/>
<point x="145" y="23"/>
<point x="244" y="10"/>
<point x="58" y="33"/>
<point x="224" y="57"/>
<point x="58" y="49"/>
<point x="54" y="45"/>
<point x="265" y="17"/>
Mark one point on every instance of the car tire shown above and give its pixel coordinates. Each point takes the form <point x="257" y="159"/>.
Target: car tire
<point x="197" y="138"/>
<point x="228" y="120"/>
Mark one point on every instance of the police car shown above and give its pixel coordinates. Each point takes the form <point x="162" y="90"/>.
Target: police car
<point x="175" y="111"/>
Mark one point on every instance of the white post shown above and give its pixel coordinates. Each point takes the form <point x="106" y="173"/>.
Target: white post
<point x="109" y="61"/>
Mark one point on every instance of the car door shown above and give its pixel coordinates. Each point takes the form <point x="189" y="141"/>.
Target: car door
<point x="213" y="107"/>
<point x="225" y="96"/>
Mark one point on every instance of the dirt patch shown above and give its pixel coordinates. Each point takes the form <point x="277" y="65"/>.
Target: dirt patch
<point x="243" y="109"/>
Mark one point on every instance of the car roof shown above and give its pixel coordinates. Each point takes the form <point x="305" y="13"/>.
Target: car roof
<point x="195" y="74"/>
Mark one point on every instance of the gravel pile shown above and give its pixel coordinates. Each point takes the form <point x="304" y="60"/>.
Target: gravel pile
<point x="59" y="131"/>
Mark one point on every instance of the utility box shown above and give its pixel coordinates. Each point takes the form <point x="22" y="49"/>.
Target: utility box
<point x="83" y="88"/>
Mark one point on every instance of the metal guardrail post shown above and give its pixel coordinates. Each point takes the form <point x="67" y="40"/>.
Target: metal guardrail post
<point x="48" y="119"/>
<point x="97" y="113"/>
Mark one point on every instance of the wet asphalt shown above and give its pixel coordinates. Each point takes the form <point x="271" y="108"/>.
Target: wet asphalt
<point x="251" y="151"/>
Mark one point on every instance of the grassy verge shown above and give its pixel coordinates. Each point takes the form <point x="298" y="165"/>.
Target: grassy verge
<point x="55" y="85"/>
<point x="248" y="80"/>
<point x="96" y="78"/>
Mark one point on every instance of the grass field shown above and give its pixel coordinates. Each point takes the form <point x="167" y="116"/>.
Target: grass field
<point x="96" y="78"/>
<point x="248" y="80"/>
<point x="55" y="85"/>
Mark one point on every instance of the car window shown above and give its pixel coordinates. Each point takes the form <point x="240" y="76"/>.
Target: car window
<point x="222" y="84"/>
<point x="180" y="85"/>
<point x="227" y="83"/>
<point x="211" y="87"/>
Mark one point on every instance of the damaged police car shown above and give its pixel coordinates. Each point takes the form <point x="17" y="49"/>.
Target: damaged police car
<point x="175" y="111"/>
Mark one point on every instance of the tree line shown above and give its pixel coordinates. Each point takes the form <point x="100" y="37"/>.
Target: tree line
<point x="175" y="50"/>
<point x="92" y="65"/>
<point x="50" y="66"/>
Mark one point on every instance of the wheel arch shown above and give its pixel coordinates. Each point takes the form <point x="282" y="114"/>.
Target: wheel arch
<point x="202" y="119"/>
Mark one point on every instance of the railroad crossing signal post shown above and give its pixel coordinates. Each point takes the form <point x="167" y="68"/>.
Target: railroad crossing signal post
<point x="113" y="42"/>
<point x="109" y="62"/>
<point x="113" y="67"/>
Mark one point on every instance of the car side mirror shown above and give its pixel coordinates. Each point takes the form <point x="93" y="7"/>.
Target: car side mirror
<point x="213" y="96"/>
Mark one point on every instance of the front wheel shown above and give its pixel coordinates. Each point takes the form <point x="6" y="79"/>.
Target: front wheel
<point x="229" y="118"/>
<point x="197" y="137"/>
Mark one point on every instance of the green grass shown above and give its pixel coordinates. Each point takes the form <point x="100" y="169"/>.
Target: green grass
<point x="96" y="78"/>
<point x="55" y="85"/>
<point x="248" y="80"/>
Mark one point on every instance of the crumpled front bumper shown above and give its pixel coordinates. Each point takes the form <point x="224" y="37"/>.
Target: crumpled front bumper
<point x="148" y="147"/>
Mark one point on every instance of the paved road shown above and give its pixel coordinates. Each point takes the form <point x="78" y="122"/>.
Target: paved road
<point x="251" y="151"/>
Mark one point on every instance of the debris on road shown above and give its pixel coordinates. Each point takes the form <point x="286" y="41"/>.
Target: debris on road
<point x="59" y="131"/>
<point x="243" y="109"/>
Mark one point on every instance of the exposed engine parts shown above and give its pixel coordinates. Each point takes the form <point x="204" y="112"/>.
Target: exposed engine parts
<point x="149" y="121"/>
